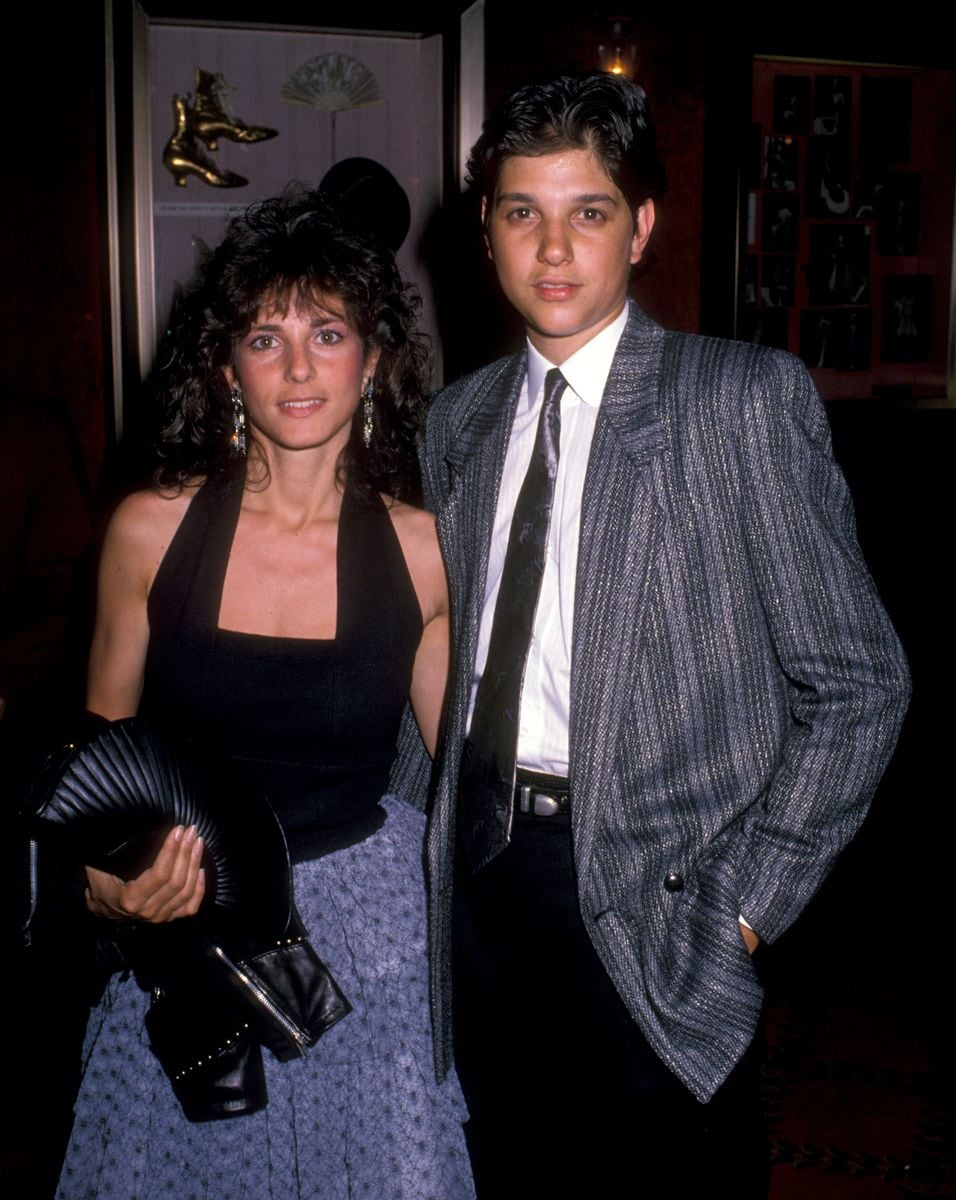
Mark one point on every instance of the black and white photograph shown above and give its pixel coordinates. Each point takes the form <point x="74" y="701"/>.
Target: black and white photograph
<point x="832" y="106"/>
<point x="791" y="104"/>
<point x="854" y="332"/>
<point x="839" y="264"/>
<point x="836" y="337"/>
<point x="897" y="214"/>
<point x="780" y="164"/>
<point x="907" y="318"/>
<point x="818" y="337"/>
<point x="828" y="178"/>
<point x="869" y="182"/>
<point x="776" y="286"/>
<point x="779" y="224"/>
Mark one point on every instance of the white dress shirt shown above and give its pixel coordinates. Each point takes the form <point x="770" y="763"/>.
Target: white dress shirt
<point x="546" y="692"/>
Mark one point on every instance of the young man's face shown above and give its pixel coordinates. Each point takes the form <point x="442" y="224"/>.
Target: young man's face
<point x="563" y="241"/>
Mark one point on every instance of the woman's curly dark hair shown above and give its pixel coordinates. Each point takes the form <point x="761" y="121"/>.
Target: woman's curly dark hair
<point x="287" y="250"/>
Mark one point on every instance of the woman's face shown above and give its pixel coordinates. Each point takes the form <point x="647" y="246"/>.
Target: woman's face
<point x="302" y="374"/>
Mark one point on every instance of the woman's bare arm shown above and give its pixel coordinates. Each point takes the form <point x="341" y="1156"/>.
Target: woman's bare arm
<point x="136" y="541"/>
<point x="419" y="542"/>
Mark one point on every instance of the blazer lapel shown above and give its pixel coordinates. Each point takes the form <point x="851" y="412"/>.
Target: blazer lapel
<point x="621" y="530"/>
<point x="475" y="460"/>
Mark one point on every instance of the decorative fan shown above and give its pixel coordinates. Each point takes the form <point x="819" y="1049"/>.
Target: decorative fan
<point x="112" y="794"/>
<point x="332" y="83"/>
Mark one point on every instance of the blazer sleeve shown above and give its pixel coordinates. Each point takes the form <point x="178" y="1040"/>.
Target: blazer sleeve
<point x="431" y="453"/>
<point x="845" y="673"/>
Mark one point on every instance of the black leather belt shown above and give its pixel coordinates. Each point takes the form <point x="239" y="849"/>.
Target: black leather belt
<point x="538" y="795"/>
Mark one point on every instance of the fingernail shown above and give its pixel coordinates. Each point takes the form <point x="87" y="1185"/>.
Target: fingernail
<point x="197" y="848"/>
<point x="178" y="833"/>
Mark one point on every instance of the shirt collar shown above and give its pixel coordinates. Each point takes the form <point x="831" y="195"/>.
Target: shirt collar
<point x="587" y="369"/>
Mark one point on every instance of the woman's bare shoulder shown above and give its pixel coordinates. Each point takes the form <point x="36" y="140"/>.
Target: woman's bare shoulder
<point x="153" y="510"/>
<point x="408" y="517"/>
<point x="416" y="530"/>
<point x="144" y="524"/>
<point x="419" y="541"/>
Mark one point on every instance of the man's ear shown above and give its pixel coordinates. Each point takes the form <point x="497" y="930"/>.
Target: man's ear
<point x="484" y="226"/>
<point x="643" y="224"/>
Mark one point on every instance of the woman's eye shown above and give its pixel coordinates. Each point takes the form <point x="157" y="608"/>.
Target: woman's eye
<point x="262" y="341"/>
<point x="328" y="337"/>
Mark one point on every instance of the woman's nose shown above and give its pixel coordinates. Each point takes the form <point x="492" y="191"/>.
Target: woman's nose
<point x="299" y="365"/>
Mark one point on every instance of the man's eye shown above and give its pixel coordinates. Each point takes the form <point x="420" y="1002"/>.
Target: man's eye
<point x="521" y="214"/>
<point x="592" y="214"/>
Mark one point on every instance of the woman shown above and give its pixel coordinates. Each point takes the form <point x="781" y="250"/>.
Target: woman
<point x="277" y="598"/>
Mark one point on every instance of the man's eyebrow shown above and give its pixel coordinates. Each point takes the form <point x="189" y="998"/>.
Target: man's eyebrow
<point x="587" y="198"/>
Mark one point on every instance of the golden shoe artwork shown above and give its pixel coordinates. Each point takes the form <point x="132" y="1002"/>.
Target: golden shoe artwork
<point x="206" y="117"/>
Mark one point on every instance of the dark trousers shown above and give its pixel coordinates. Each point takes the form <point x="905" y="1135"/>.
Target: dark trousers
<point x="566" y="1096"/>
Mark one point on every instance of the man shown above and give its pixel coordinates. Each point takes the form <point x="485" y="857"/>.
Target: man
<point x="673" y="687"/>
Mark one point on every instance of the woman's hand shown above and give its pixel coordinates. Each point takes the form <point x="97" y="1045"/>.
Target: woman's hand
<point x="172" y="887"/>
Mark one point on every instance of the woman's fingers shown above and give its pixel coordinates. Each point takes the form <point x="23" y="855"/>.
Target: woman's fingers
<point x="179" y="894"/>
<point x="172" y="887"/>
<point x="194" y="898"/>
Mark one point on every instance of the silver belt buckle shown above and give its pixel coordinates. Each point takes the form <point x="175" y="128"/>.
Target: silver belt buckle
<point x="545" y="805"/>
<point x="539" y="803"/>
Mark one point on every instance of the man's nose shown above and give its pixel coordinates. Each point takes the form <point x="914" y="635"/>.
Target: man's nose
<point x="555" y="245"/>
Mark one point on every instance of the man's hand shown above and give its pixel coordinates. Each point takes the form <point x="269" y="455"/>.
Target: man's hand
<point x="172" y="887"/>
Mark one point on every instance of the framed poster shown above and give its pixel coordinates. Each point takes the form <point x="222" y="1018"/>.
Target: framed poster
<point x="846" y="258"/>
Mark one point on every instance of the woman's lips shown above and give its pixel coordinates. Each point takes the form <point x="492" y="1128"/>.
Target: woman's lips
<point x="300" y="408"/>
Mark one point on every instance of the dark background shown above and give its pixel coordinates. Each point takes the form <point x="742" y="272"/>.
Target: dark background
<point x="881" y="927"/>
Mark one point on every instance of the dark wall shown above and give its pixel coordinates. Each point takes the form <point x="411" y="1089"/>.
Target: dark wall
<point x="51" y="233"/>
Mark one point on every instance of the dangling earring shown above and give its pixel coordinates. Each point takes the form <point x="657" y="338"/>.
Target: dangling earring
<point x="237" y="439"/>
<point x="367" y="393"/>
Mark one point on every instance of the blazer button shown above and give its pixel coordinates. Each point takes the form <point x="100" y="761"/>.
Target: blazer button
<point x="673" y="882"/>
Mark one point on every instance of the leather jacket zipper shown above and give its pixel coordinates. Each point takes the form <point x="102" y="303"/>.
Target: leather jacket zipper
<point x="34" y="894"/>
<point x="292" y="1031"/>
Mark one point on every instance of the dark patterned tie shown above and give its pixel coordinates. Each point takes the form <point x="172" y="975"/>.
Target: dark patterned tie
<point x="486" y="793"/>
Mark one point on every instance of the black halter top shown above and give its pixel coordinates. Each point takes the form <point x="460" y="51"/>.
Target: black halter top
<point x="313" y="722"/>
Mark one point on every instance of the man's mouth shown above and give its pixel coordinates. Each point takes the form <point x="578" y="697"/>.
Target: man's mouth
<point x="555" y="289"/>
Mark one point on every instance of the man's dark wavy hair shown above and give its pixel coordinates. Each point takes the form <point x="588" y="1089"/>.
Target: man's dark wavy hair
<point x="607" y="114"/>
<point x="284" y="251"/>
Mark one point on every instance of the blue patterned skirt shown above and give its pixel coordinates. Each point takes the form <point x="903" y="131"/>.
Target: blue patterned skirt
<point x="360" y="1116"/>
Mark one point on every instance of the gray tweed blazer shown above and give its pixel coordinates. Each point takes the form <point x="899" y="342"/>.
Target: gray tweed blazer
<point x="736" y="686"/>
